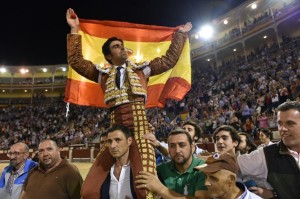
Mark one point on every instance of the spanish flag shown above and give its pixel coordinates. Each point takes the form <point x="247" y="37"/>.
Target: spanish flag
<point x="146" y="42"/>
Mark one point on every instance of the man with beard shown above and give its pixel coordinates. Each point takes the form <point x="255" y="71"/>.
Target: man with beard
<point x="54" y="177"/>
<point x="189" y="126"/>
<point x="176" y="178"/>
<point x="14" y="175"/>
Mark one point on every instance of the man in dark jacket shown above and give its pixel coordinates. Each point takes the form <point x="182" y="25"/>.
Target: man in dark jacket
<point x="278" y="164"/>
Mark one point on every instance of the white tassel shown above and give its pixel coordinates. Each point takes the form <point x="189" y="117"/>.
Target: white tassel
<point x="67" y="109"/>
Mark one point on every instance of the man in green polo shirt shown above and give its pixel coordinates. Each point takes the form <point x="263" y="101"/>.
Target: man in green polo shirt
<point x="177" y="177"/>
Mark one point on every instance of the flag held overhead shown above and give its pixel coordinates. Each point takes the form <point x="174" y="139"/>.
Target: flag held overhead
<point x="144" y="42"/>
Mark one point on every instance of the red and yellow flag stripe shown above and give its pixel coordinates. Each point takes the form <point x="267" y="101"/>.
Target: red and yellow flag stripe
<point x="146" y="42"/>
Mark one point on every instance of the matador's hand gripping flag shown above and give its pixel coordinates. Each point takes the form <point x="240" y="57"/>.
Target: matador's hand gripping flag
<point x="146" y="43"/>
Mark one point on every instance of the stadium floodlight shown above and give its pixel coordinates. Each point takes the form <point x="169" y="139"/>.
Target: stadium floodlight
<point x="3" y="70"/>
<point x="206" y="32"/>
<point x="23" y="70"/>
<point x="225" y="22"/>
<point x="64" y="69"/>
<point x="254" y="6"/>
<point x="44" y="70"/>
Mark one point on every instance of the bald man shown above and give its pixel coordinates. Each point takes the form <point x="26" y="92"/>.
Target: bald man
<point x="54" y="177"/>
<point x="14" y="175"/>
<point x="221" y="171"/>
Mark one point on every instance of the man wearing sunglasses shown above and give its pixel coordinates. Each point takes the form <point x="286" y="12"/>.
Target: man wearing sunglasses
<point x="14" y="175"/>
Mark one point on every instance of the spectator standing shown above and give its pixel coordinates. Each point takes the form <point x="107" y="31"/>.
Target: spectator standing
<point x="249" y="126"/>
<point x="263" y="121"/>
<point x="14" y="175"/>
<point x="278" y="163"/>
<point x="265" y="137"/>
<point x="177" y="177"/>
<point x="54" y="177"/>
<point x="226" y="139"/>
<point x="247" y="144"/>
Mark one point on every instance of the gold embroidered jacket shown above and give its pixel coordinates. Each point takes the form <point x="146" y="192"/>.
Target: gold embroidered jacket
<point x="135" y="81"/>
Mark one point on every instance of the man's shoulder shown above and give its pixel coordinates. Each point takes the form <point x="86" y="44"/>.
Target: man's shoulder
<point x="275" y="149"/>
<point x="70" y="168"/>
<point x="197" y="161"/>
<point x="275" y="145"/>
<point x="34" y="171"/>
<point x="254" y="154"/>
<point x="6" y="169"/>
<point x="165" y="165"/>
<point x="137" y="66"/>
<point x="65" y="164"/>
<point x="246" y="192"/>
<point x="29" y="164"/>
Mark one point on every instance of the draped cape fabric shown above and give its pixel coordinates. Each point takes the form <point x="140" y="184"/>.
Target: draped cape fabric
<point x="146" y="42"/>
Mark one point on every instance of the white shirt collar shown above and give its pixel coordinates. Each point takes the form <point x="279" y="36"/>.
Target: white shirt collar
<point x="123" y="66"/>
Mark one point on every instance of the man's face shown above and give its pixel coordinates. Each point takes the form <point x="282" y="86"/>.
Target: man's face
<point x="180" y="149"/>
<point x="218" y="183"/>
<point x="17" y="156"/>
<point x="49" y="154"/>
<point x="224" y="142"/>
<point x="191" y="130"/>
<point x="103" y="141"/>
<point x="118" y="144"/>
<point x="118" y="54"/>
<point x="243" y="144"/>
<point x="289" y="128"/>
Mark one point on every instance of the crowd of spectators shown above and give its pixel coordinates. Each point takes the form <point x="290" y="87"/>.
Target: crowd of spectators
<point x="239" y="91"/>
<point x="30" y="124"/>
<point x="244" y="95"/>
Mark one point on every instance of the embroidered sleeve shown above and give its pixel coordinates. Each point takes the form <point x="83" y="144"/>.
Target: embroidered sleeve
<point x="168" y="61"/>
<point x="82" y="66"/>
